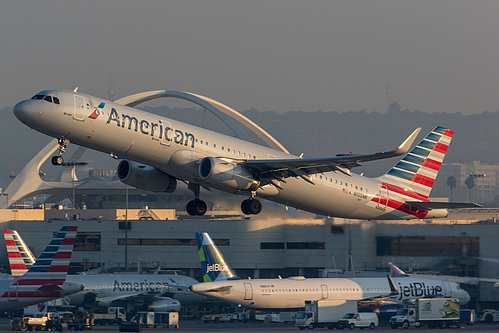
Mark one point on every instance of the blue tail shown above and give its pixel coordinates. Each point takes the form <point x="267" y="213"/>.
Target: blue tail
<point x="213" y="264"/>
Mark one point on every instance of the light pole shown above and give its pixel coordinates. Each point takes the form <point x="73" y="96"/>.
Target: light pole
<point x="7" y="197"/>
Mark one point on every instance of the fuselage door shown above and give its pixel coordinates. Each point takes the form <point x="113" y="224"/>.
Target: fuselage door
<point x="383" y="197"/>
<point x="324" y="291"/>
<point x="248" y="291"/>
<point x="79" y="113"/>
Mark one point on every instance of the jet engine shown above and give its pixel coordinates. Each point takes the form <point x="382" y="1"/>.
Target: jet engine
<point x="165" y="304"/>
<point x="225" y="174"/>
<point x="145" y="177"/>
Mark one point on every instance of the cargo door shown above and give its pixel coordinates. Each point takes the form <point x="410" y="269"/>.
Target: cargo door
<point x="248" y="291"/>
<point x="79" y="113"/>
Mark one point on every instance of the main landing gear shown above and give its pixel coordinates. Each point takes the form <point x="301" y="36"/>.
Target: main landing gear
<point x="251" y="206"/>
<point x="58" y="160"/>
<point x="196" y="207"/>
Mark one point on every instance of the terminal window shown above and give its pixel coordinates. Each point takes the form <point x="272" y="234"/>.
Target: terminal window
<point x="168" y="241"/>
<point x="427" y="246"/>
<point x="87" y="241"/>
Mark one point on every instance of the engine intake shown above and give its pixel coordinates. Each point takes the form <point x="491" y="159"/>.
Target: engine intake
<point x="145" y="177"/>
<point x="226" y="174"/>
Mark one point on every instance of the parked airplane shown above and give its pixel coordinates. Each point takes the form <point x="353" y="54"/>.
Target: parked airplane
<point x="158" y="151"/>
<point x="45" y="280"/>
<point x="157" y="292"/>
<point x="221" y="283"/>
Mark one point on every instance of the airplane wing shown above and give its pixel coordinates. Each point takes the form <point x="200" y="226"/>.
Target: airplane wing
<point x="279" y="169"/>
<point x="442" y="205"/>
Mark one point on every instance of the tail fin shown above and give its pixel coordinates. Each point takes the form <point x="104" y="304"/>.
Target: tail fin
<point x="20" y="256"/>
<point x="51" y="268"/>
<point x="213" y="264"/>
<point x="419" y="168"/>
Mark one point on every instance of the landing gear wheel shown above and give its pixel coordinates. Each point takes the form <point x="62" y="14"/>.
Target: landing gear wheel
<point x="57" y="160"/>
<point x="196" y="207"/>
<point x="251" y="206"/>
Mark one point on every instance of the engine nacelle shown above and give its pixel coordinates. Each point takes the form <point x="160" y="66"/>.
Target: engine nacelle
<point x="145" y="177"/>
<point x="164" y="305"/>
<point x="224" y="174"/>
<point x="437" y="213"/>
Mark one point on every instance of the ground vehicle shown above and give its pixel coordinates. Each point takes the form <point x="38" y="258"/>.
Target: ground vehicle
<point x="467" y="316"/>
<point x="432" y="312"/>
<point x="358" y="319"/>
<point x="488" y="315"/>
<point x="51" y="321"/>
<point x="158" y="319"/>
<point x="323" y="313"/>
<point x="114" y="315"/>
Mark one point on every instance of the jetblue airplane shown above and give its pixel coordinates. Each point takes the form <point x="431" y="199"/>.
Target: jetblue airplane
<point x="45" y="280"/>
<point x="157" y="152"/>
<point x="221" y="283"/>
<point x="157" y="292"/>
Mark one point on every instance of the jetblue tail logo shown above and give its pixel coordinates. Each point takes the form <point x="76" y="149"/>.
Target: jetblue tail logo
<point x="97" y="111"/>
<point x="213" y="263"/>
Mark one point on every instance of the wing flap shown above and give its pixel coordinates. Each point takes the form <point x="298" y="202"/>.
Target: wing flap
<point x="441" y="205"/>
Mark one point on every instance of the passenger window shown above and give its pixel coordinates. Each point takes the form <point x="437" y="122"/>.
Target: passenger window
<point x="56" y="100"/>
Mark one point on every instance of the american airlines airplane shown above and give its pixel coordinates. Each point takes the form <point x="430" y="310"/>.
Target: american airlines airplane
<point x="160" y="292"/>
<point x="46" y="278"/>
<point x="157" y="152"/>
<point x="221" y="283"/>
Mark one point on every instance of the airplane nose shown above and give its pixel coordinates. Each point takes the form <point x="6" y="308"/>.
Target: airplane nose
<point x="23" y="110"/>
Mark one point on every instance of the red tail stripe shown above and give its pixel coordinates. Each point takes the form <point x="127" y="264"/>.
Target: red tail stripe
<point x="63" y="255"/>
<point x="432" y="164"/>
<point x="423" y="180"/>
<point x="59" y="269"/>
<point x="407" y="193"/>
<point x="10" y="242"/>
<point x="73" y="228"/>
<point x="14" y="255"/>
<point x="441" y="148"/>
<point x="17" y="266"/>
<point x="68" y="241"/>
<point x="6" y="232"/>
<point x="449" y="133"/>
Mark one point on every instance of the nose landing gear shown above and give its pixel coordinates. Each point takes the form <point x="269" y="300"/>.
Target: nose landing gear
<point x="58" y="160"/>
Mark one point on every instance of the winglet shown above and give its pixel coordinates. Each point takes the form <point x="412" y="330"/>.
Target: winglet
<point x="393" y="289"/>
<point x="406" y="145"/>
<point x="396" y="269"/>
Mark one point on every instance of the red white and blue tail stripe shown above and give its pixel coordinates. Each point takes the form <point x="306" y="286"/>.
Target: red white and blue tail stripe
<point x="20" y="256"/>
<point x="417" y="171"/>
<point x="53" y="264"/>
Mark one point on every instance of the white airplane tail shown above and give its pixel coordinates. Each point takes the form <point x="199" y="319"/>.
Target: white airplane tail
<point x="415" y="174"/>
<point x="20" y="256"/>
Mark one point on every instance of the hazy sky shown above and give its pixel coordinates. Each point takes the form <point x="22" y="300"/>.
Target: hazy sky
<point x="435" y="55"/>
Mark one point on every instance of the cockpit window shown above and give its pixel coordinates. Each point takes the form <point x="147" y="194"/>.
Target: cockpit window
<point x="47" y="98"/>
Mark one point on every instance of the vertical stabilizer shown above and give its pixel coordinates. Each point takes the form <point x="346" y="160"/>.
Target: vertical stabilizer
<point x="213" y="263"/>
<point x="417" y="171"/>
<point x="51" y="267"/>
<point x="20" y="256"/>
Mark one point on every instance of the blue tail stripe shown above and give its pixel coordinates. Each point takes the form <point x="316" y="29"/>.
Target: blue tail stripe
<point x="427" y="144"/>
<point x="414" y="159"/>
<point x="420" y="152"/>
<point x="434" y="137"/>
<point x="407" y="166"/>
<point x="400" y="174"/>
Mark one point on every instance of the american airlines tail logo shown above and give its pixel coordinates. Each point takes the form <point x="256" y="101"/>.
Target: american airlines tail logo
<point x="97" y="112"/>
<point x="216" y="268"/>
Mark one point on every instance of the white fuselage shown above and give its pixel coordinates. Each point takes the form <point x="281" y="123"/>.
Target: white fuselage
<point x="293" y="292"/>
<point x="176" y="148"/>
<point x="124" y="287"/>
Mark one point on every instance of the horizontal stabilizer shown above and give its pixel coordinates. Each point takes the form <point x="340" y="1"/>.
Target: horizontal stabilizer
<point x="442" y="205"/>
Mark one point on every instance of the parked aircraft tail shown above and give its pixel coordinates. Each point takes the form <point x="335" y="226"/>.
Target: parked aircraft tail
<point x="20" y="256"/>
<point x="51" y="267"/>
<point x="213" y="263"/>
